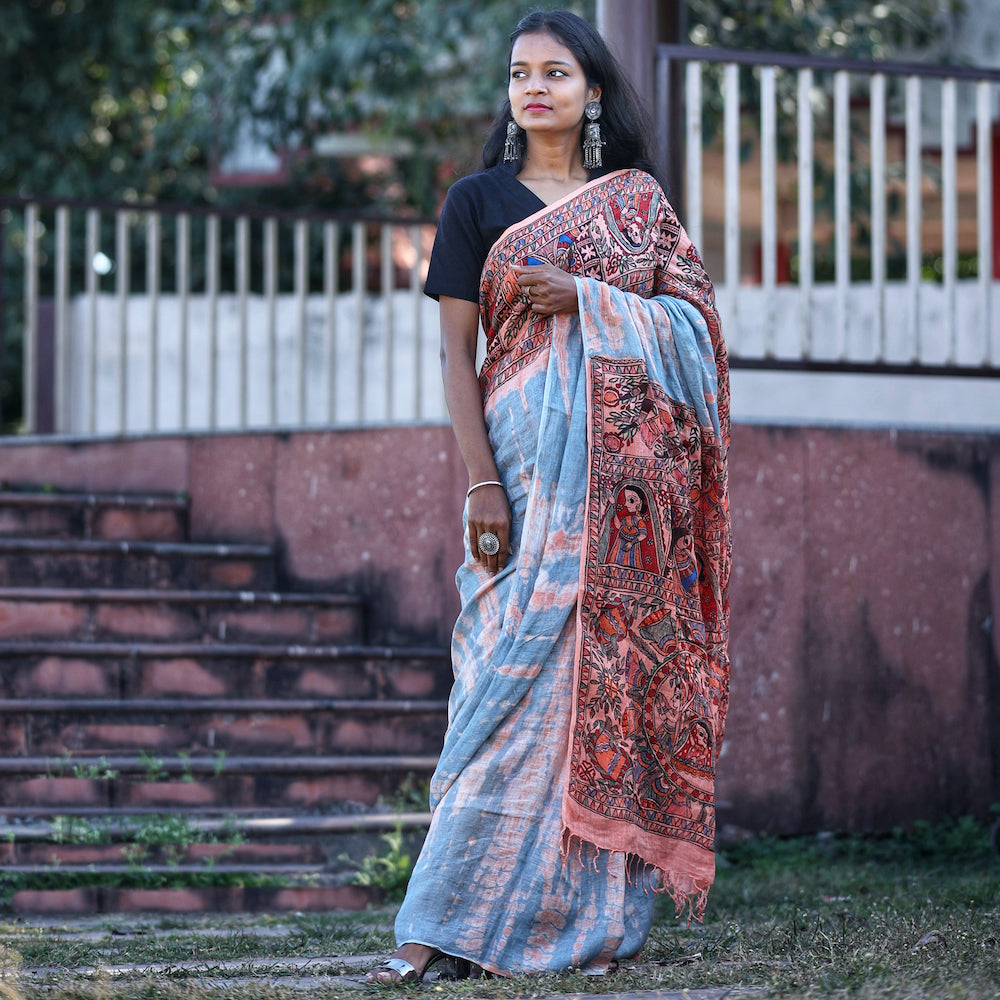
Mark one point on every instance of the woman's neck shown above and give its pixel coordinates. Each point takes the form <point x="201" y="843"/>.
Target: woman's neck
<point x="559" y="163"/>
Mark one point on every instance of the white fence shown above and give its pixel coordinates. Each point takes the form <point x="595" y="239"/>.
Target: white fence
<point x="839" y="207"/>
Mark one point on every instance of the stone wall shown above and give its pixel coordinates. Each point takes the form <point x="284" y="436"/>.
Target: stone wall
<point x="866" y="684"/>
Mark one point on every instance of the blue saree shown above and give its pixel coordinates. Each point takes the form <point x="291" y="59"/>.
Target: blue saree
<point x="587" y="713"/>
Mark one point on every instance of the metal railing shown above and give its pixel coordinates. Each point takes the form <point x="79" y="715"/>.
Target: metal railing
<point x="874" y="247"/>
<point x="867" y="148"/>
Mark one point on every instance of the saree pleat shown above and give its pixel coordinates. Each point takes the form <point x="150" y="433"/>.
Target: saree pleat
<point x="531" y="863"/>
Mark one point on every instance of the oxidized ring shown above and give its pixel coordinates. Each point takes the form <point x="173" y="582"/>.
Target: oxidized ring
<point x="489" y="544"/>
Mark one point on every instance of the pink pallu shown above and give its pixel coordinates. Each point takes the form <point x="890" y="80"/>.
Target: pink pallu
<point x="650" y="663"/>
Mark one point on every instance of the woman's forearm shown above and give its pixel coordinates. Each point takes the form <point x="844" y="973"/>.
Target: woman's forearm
<point x="465" y="406"/>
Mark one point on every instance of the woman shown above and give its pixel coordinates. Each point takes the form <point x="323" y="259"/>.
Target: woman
<point x="587" y="713"/>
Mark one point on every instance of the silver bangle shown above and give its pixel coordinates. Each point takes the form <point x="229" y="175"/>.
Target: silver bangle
<point x="487" y="482"/>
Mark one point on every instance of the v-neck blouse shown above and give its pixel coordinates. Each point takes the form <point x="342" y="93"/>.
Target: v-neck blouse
<point x="478" y="209"/>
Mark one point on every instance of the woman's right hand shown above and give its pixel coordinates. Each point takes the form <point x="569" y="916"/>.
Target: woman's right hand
<point x="489" y="511"/>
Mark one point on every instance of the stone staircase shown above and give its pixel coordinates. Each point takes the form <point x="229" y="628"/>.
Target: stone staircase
<point x="180" y="734"/>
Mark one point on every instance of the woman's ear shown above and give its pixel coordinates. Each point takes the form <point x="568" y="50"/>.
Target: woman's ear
<point x="594" y="94"/>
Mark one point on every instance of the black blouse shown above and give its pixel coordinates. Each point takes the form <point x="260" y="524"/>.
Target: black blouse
<point x="477" y="210"/>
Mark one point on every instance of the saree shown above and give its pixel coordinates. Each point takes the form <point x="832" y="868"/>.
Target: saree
<point x="591" y="675"/>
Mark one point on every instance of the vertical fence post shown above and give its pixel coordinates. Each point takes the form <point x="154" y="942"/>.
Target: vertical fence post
<point x="984" y="214"/>
<point x="331" y="286"/>
<point x="731" y="181"/>
<point x="692" y="146"/>
<point x="243" y="327"/>
<point x="806" y="209"/>
<point x="30" y="317"/>
<point x="123" y="266"/>
<point x="878" y="207"/>
<point x="914" y="213"/>
<point x="60" y="375"/>
<point x="153" y="291"/>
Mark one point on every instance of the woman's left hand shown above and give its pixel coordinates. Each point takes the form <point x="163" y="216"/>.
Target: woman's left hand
<point x="548" y="288"/>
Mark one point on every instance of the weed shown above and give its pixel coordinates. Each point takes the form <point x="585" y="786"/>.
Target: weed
<point x="154" y="770"/>
<point x="390" y="871"/>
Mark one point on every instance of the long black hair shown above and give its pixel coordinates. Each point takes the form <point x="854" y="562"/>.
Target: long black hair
<point x="624" y="122"/>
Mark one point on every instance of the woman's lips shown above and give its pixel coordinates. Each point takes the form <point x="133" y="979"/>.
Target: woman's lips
<point x="537" y="107"/>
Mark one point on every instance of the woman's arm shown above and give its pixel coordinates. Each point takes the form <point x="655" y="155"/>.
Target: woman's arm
<point x="488" y="506"/>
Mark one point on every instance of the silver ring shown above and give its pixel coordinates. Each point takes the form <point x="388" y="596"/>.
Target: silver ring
<point x="489" y="544"/>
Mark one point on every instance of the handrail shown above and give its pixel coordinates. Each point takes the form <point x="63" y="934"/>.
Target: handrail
<point x="795" y="60"/>
<point x="221" y="211"/>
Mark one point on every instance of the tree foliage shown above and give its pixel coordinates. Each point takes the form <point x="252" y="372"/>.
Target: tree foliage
<point x="852" y="29"/>
<point x="140" y="99"/>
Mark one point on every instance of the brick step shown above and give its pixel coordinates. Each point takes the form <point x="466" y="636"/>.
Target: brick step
<point x="37" y="514"/>
<point x="324" y="845"/>
<point x="33" y="562"/>
<point x="311" y="859"/>
<point x="119" y="670"/>
<point x="222" y="782"/>
<point x="158" y="725"/>
<point x="79" y="614"/>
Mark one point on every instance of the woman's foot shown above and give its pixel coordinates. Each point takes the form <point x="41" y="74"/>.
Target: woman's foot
<point x="408" y="965"/>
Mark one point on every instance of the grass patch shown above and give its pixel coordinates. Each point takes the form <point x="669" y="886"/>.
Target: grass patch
<point x="913" y="915"/>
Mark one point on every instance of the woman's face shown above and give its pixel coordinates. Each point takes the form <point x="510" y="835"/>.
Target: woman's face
<point x="633" y="502"/>
<point x="548" y="87"/>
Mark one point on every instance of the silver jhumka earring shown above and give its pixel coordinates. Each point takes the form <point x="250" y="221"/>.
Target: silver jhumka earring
<point x="592" y="141"/>
<point x="512" y="145"/>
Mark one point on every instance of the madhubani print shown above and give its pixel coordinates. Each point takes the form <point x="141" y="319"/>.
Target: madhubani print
<point x="650" y="663"/>
<point x="619" y="230"/>
<point x="646" y="739"/>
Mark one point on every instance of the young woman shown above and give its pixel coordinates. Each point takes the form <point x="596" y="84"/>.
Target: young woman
<point x="577" y="775"/>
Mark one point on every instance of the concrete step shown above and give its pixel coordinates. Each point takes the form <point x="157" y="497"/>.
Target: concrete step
<point x="38" y="514"/>
<point x="120" y="670"/>
<point x="100" y="726"/>
<point x="33" y="562"/>
<point x="105" y="614"/>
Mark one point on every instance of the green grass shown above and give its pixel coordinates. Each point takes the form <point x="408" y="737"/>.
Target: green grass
<point x="907" y="917"/>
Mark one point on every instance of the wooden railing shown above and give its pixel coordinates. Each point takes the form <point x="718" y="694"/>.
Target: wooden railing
<point x="888" y="169"/>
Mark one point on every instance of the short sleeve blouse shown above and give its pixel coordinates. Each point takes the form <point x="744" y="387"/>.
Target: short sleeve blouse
<point x="476" y="212"/>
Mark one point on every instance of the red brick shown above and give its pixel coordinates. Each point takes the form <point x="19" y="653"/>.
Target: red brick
<point x="13" y="736"/>
<point x="313" y="898"/>
<point x="233" y="574"/>
<point x="54" y="901"/>
<point x="172" y="793"/>
<point x="261" y="853"/>
<point x="55" y="792"/>
<point x="142" y="621"/>
<point x="333" y="683"/>
<point x="332" y="624"/>
<point x="52" y="619"/>
<point x="413" y="682"/>
<point x="314" y="792"/>
<point x="130" y="524"/>
<point x="292" y="623"/>
<point x="266" y="733"/>
<point x="182" y="677"/>
<point x="58" y="676"/>
<point x="111" y="737"/>
<point x="174" y="900"/>
<point x="69" y="854"/>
